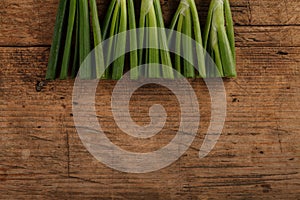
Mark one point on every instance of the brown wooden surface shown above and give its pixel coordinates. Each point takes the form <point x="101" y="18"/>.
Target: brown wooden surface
<point x="257" y="156"/>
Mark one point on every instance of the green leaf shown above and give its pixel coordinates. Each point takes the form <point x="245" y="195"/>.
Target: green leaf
<point x="108" y="17"/>
<point x="198" y="39"/>
<point x="118" y="66"/>
<point x="221" y="35"/>
<point x="181" y="8"/>
<point x="76" y="64"/>
<point x="188" y="46"/>
<point x="229" y="27"/>
<point x="178" y="44"/>
<point x="56" y="42"/>
<point x="67" y="51"/>
<point x="164" y="50"/>
<point x="224" y="46"/>
<point x="133" y="40"/>
<point x="114" y="26"/>
<point x="142" y="22"/>
<point x="84" y="40"/>
<point x="208" y="23"/>
<point x="154" y="70"/>
<point x="216" y="53"/>
<point x="99" y="58"/>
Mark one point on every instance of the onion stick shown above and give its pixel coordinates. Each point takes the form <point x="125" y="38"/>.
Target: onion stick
<point x="76" y="43"/>
<point x="120" y="17"/>
<point x="186" y="21"/>
<point x="151" y="17"/>
<point x="219" y="39"/>
<point x="57" y="40"/>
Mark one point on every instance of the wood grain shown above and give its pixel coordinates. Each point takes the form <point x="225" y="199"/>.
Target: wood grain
<point x="31" y="22"/>
<point x="257" y="156"/>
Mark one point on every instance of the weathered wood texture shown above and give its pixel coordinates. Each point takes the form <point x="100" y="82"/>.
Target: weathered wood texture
<point x="257" y="156"/>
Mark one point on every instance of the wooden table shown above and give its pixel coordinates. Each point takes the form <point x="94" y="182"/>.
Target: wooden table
<point x="257" y="156"/>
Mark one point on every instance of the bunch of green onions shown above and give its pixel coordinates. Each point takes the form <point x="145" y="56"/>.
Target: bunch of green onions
<point x="186" y="21"/>
<point x="76" y="18"/>
<point x="219" y="39"/>
<point x="151" y="18"/>
<point x="73" y="17"/>
<point x="119" y="18"/>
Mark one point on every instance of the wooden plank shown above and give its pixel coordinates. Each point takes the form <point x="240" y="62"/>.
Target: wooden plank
<point x="267" y="36"/>
<point x="31" y="22"/>
<point x="274" y="12"/>
<point x="257" y="156"/>
<point x="33" y="146"/>
<point x="27" y="22"/>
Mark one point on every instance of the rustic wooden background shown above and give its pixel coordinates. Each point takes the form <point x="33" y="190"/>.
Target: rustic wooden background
<point x="257" y="156"/>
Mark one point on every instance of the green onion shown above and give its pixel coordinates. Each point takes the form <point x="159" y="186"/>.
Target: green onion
<point x="187" y="21"/>
<point x="118" y="66"/>
<point x="151" y="13"/>
<point x="108" y="17"/>
<point x="198" y="39"/>
<point x="215" y="55"/>
<point x="178" y="45"/>
<point x="77" y="43"/>
<point x="120" y="18"/>
<point x="142" y="24"/>
<point x="154" y="71"/>
<point x="56" y="43"/>
<point x="133" y="41"/>
<point x="111" y="17"/>
<point x="66" y="56"/>
<point x="75" y="66"/>
<point x="100" y="68"/>
<point x="147" y="33"/>
<point x="165" y="55"/>
<point x="230" y="28"/>
<point x="219" y="38"/>
<point x="84" y="40"/>
<point x="110" y="29"/>
<point x="189" y="71"/>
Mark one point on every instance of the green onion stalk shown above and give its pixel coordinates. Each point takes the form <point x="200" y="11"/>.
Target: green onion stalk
<point x="76" y="43"/>
<point x="186" y="23"/>
<point x="120" y="17"/>
<point x="219" y="39"/>
<point x="151" y="17"/>
<point x="56" y="41"/>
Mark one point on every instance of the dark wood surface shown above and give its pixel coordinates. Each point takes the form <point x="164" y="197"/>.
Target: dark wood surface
<point x="257" y="156"/>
